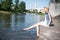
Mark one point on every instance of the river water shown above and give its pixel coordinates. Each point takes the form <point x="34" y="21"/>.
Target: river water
<point x="12" y="25"/>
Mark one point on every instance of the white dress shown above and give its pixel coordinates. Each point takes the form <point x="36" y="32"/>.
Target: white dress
<point x="46" y="21"/>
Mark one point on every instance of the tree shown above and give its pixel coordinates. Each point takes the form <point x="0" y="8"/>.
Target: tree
<point x="0" y="4"/>
<point x="16" y="5"/>
<point x="9" y="2"/>
<point x="56" y="1"/>
<point x="22" y="7"/>
<point x="6" y="4"/>
<point x="3" y="5"/>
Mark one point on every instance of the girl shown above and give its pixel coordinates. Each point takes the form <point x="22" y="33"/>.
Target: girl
<point x="45" y="23"/>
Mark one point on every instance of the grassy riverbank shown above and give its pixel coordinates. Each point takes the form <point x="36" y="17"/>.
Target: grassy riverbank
<point x="5" y="12"/>
<point x="41" y="14"/>
<point x="9" y="12"/>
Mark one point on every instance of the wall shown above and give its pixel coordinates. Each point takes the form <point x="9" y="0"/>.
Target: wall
<point x="54" y="8"/>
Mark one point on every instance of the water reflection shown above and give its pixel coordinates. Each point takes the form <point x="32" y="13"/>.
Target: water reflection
<point x="4" y="26"/>
<point x="17" y="21"/>
<point x="31" y="19"/>
<point x="12" y="24"/>
<point x="13" y="21"/>
<point x="4" y="20"/>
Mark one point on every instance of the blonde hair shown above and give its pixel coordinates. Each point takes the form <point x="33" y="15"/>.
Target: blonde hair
<point x="44" y="10"/>
<point x="47" y="8"/>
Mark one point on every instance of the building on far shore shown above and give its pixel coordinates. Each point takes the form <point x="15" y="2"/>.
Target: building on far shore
<point x="54" y="7"/>
<point x="34" y="10"/>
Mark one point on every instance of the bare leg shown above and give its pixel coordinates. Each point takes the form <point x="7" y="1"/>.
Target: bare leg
<point x="38" y="30"/>
<point x="30" y="27"/>
<point x="33" y="26"/>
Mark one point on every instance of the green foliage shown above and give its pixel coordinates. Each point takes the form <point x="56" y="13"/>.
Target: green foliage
<point x="22" y="7"/>
<point x="0" y="4"/>
<point x="40" y="13"/>
<point x="56" y="1"/>
<point x="9" y="6"/>
<point x="6" y="4"/>
<point x="16" y="5"/>
<point x="19" y="7"/>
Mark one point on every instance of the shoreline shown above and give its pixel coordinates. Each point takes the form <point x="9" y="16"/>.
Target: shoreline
<point x="5" y="12"/>
<point x="9" y="12"/>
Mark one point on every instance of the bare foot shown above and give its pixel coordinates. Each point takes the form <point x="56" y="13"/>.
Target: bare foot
<point x="38" y="35"/>
<point x="25" y="29"/>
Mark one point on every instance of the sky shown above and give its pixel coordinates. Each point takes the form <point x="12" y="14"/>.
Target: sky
<point x="30" y="4"/>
